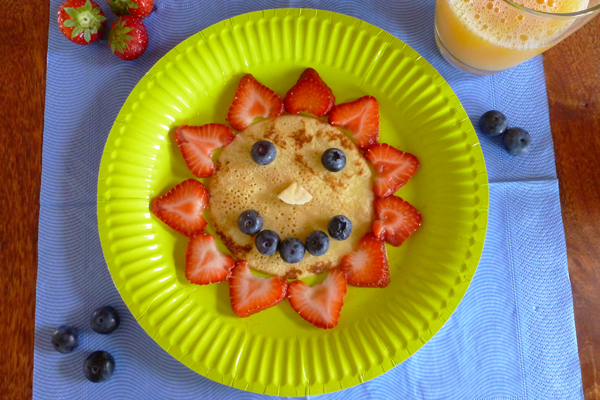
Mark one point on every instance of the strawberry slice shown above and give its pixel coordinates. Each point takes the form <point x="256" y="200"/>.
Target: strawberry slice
<point x="204" y="263"/>
<point x="395" y="220"/>
<point x="253" y="99"/>
<point x="251" y="294"/>
<point x="368" y="264"/>
<point x="360" y="117"/>
<point x="320" y="304"/>
<point x="310" y="94"/>
<point x="182" y="207"/>
<point x="393" y="168"/>
<point x="197" y="144"/>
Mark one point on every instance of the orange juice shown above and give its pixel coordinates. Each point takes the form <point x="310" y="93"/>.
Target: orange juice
<point x="493" y="35"/>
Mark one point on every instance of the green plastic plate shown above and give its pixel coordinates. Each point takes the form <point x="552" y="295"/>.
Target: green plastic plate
<point x="275" y="351"/>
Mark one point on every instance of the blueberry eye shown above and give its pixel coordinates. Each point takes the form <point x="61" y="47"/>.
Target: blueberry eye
<point x="333" y="160"/>
<point x="263" y="152"/>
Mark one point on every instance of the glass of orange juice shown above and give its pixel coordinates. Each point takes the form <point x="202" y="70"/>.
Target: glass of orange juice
<point x="489" y="36"/>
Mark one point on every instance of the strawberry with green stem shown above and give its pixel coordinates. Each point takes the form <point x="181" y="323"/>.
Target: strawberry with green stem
<point x="137" y="8"/>
<point x="128" y="37"/>
<point x="81" y="21"/>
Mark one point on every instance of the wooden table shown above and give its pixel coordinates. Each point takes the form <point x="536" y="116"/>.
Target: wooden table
<point x="573" y="78"/>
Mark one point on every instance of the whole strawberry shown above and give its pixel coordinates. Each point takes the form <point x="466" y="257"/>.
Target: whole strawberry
<point x="137" y="8"/>
<point x="128" y="37"/>
<point x="81" y="21"/>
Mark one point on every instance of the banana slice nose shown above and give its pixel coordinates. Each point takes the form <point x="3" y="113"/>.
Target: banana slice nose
<point x="295" y="194"/>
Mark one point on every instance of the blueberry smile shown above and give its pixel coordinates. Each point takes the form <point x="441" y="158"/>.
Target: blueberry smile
<point x="292" y="250"/>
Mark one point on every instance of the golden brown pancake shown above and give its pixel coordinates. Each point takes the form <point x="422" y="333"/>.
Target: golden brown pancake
<point x="239" y="184"/>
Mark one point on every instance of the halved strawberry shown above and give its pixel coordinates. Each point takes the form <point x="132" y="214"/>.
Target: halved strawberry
<point x="393" y="168"/>
<point x="182" y="207"/>
<point x="320" y="304"/>
<point x="250" y="293"/>
<point x="310" y="94"/>
<point x="360" y="117"/>
<point x="395" y="220"/>
<point x="368" y="264"/>
<point x="204" y="263"/>
<point x="253" y="99"/>
<point x="197" y="144"/>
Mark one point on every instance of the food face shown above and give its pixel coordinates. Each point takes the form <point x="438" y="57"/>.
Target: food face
<point x="239" y="183"/>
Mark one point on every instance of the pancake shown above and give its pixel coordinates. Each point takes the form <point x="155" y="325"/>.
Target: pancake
<point x="238" y="184"/>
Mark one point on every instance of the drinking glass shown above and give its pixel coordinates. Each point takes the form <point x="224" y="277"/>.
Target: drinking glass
<point x="489" y="36"/>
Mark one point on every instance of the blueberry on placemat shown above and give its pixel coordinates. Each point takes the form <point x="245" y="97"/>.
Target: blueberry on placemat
<point x="317" y="243"/>
<point x="65" y="339"/>
<point x="267" y="242"/>
<point x="493" y="123"/>
<point x="99" y="366"/>
<point x="250" y="222"/>
<point x="263" y="152"/>
<point x="105" y="320"/>
<point x="339" y="227"/>
<point x="516" y="141"/>
<point x="291" y="250"/>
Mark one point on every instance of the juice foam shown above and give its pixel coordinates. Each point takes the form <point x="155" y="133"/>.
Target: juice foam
<point x="505" y="26"/>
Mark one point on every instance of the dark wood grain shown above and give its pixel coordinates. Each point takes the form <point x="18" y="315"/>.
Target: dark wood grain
<point x="573" y="78"/>
<point x="573" y="81"/>
<point x="23" y="44"/>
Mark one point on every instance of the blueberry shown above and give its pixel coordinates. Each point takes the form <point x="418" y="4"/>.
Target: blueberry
<point x="263" y="152"/>
<point x="250" y="222"/>
<point x="99" y="366"/>
<point x="291" y="250"/>
<point x="339" y="227"/>
<point x="65" y="339"/>
<point x="267" y="242"/>
<point x="105" y="320"/>
<point x="493" y="123"/>
<point x="333" y="160"/>
<point x="516" y="141"/>
<point x="317" y="243"/>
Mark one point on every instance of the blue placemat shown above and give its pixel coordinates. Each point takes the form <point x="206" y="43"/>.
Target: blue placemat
<point x="513" y="335"/>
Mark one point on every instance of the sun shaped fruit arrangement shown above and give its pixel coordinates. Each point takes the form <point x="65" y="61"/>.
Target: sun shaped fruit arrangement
<point x="291" y="196"/>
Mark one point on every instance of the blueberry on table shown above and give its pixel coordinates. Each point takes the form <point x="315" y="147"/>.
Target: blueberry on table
<point x="333" y="160"/>
<point x="516" y="141"/>
<point x="267" y="242"/>
<point x="105" y="320"/>
<point x="339" y="227"/>
<point x="99" y="366"/>
<point x="250" y="222"/>
<point x="291" y="250"/>
<point x="317" y="243"/>
<point x="263" y="152"/>
<point x="65" y="339"/>
<point x="493" y="123"/>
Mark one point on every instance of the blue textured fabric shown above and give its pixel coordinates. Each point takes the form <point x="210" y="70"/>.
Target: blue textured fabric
<point x="513" y="335"/>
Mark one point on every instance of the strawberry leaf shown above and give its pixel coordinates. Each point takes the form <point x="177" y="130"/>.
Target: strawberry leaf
<point x="131" y="4"/>
<point x="69" y="23"/>
<point x="71" y="11"/>
<point x="87" y="36"/>
<point x="76" y="32"/>
<point x="87" y="6"/>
